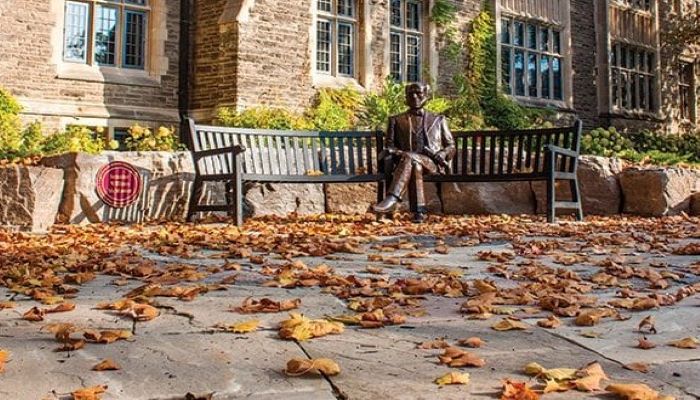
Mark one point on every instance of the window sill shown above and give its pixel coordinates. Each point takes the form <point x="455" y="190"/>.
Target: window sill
<point x="642" y="116"/>
<point x="554" y="105"/>
<point x="109" y="75"/>
<point x="335" y="82"/>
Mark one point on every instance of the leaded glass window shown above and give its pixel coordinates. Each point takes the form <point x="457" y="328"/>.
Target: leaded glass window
<point x="531" y="59"/>
<point x="686" y="89"/>
<point x="406" y="40"/>
<point x="336" y="31"/>
<point x="633" y="78"/>
<point x="106" y="32"/>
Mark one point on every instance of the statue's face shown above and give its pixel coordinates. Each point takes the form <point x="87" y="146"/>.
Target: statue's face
<point x="416" y="96"/>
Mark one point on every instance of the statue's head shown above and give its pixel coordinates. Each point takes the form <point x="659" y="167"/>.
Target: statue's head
<point x="417" y="95"/>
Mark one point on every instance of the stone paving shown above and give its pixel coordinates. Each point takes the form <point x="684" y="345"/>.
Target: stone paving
<point x="179" y="352"/>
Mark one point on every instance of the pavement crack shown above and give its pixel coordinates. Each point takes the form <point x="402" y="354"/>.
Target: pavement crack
<point x="174" y="311"/>
<point x="167" y="356"/>
<point x="339" y="394"/>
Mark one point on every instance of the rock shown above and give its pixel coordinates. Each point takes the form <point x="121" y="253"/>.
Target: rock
<point x="30" y="197"/>
<point x="350" y="198"/>
<point x="658" y="192"/>
<point x="283" y="198"/>
<point x="488" y="198"/>
<point x="695" y="204"/>
<point x="598" y="179"/>
<point x="167" y="179"/>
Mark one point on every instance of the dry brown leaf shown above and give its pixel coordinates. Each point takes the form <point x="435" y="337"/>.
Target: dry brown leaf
<point x="434" y="344"/>
<point x="301" y="366"/>
<point x="473" y="342"/>
<point x="590" y="377"/>
<point x="508" y="324"/>
<point x="552" y="322"/>
<point x="141" y="312"/>
<point x="685" y="343"/>
<point x="35" y="314"/>
<point x="515" y="390"/>
<point x="266" y="305"/>
<point x="637" y="366"/>
<point x="7" y="304"/>
<point x="648" y="324"/>
<point x="455" y="357"/>
<point x="63" y="307"/>
<point x="645" y="344"/>
<point x="555" y="386"/>
<point x="301" y="328"/>
<point x="453" y="378"/>
<point x="91" y="393"/>
<point x="106" y="365"/>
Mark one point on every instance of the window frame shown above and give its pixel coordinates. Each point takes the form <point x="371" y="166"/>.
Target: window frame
<point x="617" y="100"/>
<point x="122" y="7"/>
<point x="335" y="19"/>
<point x="562" y="55"/>
<point x="404" y="32"/>
<point x="686" y="91"/>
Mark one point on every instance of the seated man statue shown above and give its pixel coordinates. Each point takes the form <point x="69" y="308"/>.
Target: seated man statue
<point x="422" y="143"/>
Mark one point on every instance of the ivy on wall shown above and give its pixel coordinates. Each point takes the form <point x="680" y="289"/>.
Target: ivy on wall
<point x="443" y="14"/>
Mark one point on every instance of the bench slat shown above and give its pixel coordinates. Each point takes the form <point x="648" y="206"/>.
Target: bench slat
<point x="501" y="153"/>
<point x="538" y="147"/>
<point x="315" y="154"/>
<point x="324" y="156"/>
<point x="287" y="158"/>
<point x="331" y="148"/>
<point x="519" y="162"/>
<point x="351" y="157"/>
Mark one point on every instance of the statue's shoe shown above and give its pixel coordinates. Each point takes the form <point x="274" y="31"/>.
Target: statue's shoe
<point x="419" y="217"/>
<point x="386" y="205"/>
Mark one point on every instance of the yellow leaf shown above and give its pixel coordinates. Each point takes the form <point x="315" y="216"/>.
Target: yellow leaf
<point x="509" y="324"/>
<point x="554" y="386"/>
<point x="91" y="393"/>
<point x="301" y="328"/>
<point x="106" y="365"/>
<point x="687" y="343"/>
<point x="4" y="356"/>
<point x="453" y="378"/>
<point x="244" y="327"/>
<point x="633" y="391"/>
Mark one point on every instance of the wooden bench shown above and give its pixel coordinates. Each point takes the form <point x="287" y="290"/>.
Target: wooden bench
<point x="237" y="155"/>
<point x="519" y="155"/>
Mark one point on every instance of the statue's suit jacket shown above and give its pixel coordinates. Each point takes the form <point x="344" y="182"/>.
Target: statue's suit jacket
<point x="438" y="137"/>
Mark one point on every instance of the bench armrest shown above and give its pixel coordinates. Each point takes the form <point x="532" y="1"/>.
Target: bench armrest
<point x="237" y="149"/>
<point x="560" y="150"/>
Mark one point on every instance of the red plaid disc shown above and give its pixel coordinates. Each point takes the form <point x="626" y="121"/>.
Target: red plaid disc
<point x="118" y="184"/>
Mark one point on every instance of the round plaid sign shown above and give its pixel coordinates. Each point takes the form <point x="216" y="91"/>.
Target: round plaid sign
<point x="118" y="184"/>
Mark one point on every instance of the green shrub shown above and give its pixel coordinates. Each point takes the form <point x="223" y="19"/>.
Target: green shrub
<point x="263" y="118"/>
<point x="10" y="126"/>
<point x="74" y="139"/>
<point x="334" y="109"/>
<point x="378" y="107"/>
<point x="144" y="139"/>
<point x="605" y="142"/>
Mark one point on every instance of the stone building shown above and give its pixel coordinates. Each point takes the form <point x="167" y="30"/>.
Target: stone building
<point x="110" y="63"/>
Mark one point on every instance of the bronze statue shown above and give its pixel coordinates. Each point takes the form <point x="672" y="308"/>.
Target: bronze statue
<point x="421" y="143"/>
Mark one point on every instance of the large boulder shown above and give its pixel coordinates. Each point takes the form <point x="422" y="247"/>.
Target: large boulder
<point x="599" y="185"/>
<point x="30" y="197"/>
<point x="659" y="191"/>
<point x="167" y="178"/>
<point x="357" y="198"/>
<point x="695" y="204"/>
<point x="488" y="198"/>
<point x="281" y="199"/>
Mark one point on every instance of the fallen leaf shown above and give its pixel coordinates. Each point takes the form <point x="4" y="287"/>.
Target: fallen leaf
<point x="7" y="304"/>
<point x="648" y="323"/>
<point x="4" y="356"/>
<point x="106" y="365"/>
<point x="72" y="345"/>
<point x="301" y="328"/>
<point x="474" y="342"/>
<point x="514" y="390"/>
<point x="242" y="327"/>
<point x="91" y="393"/>
<point x="455" y="357"/>
<point x="590" y="377"/>
<point x="266" y="305"/>
<point x="686" y="343"/>
<point x="453" y="378"/>
<point x="552" y="322"/>
<point x="556" y="386"/>
<point x="141" y="312"/>
<point x="63" y="307"/>
<point x="637" y="366"/>
<point x="633" y="391"/>
<point x="508" y="324"/>
<point x="34" y="314"/>
<point x="645" y="344"/>
<point x="434" y="344"/>
<point x="301" y="366"/>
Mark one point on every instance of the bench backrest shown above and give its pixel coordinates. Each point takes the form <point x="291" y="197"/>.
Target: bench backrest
<point x="501" y="153"/>
<point x="288" y="154"/>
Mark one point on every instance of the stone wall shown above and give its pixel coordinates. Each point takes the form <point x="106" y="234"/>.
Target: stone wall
<point x="58" y="93"/>
<point x="29" y="197"/>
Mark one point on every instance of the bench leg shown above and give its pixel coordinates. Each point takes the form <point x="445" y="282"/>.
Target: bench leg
<point x="381" y="191"/>
<point x="551" y="188"/>
<point x="576" y="197"/>
<point x="194" y="198"/>
<point x="237" y="195"/>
